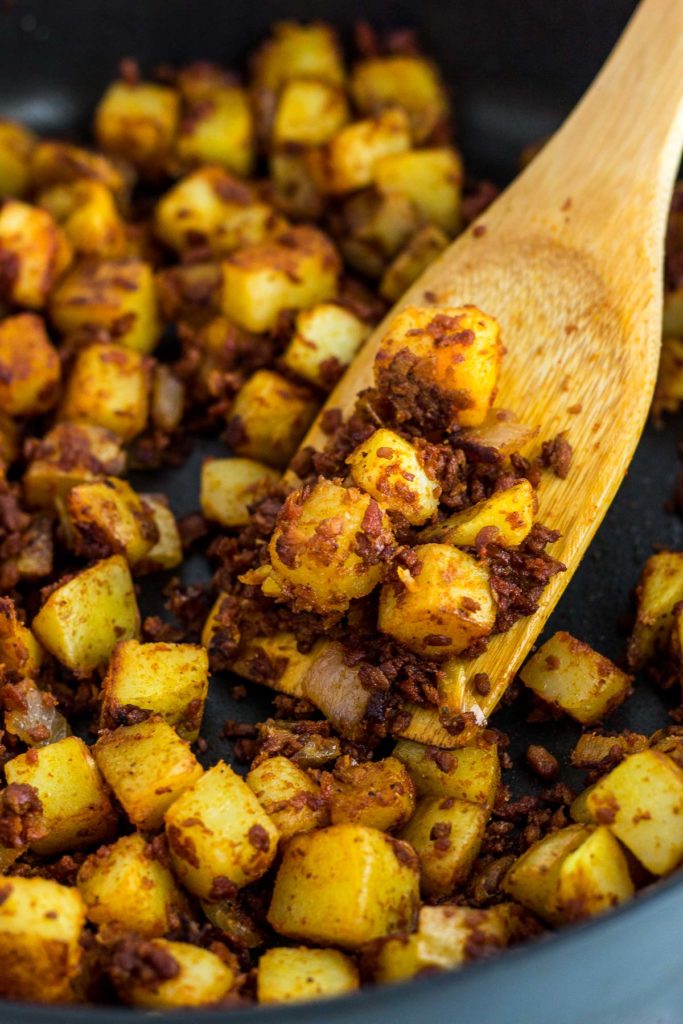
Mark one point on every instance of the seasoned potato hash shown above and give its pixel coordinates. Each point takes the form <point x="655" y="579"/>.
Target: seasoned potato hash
<point x="202" y="279"/>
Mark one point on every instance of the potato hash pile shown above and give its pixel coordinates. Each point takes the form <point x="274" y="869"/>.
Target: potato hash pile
<point x="209" y="271"/>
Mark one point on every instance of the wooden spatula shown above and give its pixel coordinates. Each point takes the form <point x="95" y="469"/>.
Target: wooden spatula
<point x="569" y="260"/>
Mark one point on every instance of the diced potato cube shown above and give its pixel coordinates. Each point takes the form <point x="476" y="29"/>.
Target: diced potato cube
<point x="430" y="178"/>
<point x="379" y="794"/>
<point x="533" y="880"/>
<point x="189" y="292"/>
<point x="87" y="213"/>
<point x="167" y="553"/>
<point x="229" y="486"/>
<point x="40" y="931"/>
<point x="289" y="796"/>
<point x="405" y="81"/>
<point x="201" y="978"/>
<point x="452" y="354"/>
<point x="116" y="296"/>
<point x="170" y="680"/>
<point x="218" y="830"/>
<point x="218" y="129"/>
<point x="211" y="207"/>
<point x="350" y="159"/>
<point x="69" y="454"/>
<point x="298" y="51"/>
<point x="148" y="766"/>
<point x="570" y="675"/>
<point x="510" y="512"/>
<point x="295" y="191"/>
<point x="56" y="162"/>
<point x="419" y="253"/>
<point x="446" y="833"/>
<point x="83" y="619"/>
<point x="76" y="809"/>
<point x="125" y="884"/>
<point x="269" y="417"/>
<point x="641" y="801"/>
<point x="20" y="652"/>
<point x="106" y="517"/>
<point x="316" y="556"/>
<point x="297" y="974"/>
<point x="377" y="228"/>
<point x="468" y="773"/>
<point x="29" y="366"/>
<point x="108" y="386"/>
<point x="274" y="661"/>
<point x="345" y="885"/>
<point x="594" y="877"/>
<point x="660" y="588"/>
<point x="34" y="253"/>
<point x="295" y="269"/>
<point x="326" y="339"/>
<point x="441" y="605"/>
<point x="309" y="113"/>
<point x="138" y="121"/>
<point x="16" y="146"/>
<point x="390" y="469"/>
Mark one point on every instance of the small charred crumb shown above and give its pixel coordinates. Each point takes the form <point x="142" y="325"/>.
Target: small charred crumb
<point x="557" y="455"/>
<point x="21" y="816"/>
<point x="482" y="684"/>
<point x="136" y="961"/>
<point x="542" y="762"/>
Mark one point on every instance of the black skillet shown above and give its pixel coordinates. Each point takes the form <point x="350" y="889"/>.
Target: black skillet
<point x="516" y="68"/>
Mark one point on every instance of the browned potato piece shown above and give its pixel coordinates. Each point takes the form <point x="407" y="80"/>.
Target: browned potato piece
<point x="402" y="80"/>
<point x="510" y="512"/>
<point x="390" y="469"/>
<point x="570" y="675"/>
<point x="269" y="417"/>
<point x="40" y="931"/>
<point x="77" y="811"/>
<point x="20" y="652"/>
<point x="377" y="227"/>
<point x="533" y="880"/>
<point x="199" y="978"/>
<point x="218" y="128"/>
<point x="297" y="974"/>
<point x="189" y="292"/>
<point x="167" y="553"/>
<point x="289" y="796"/>
<point x="16" y="146"/>
<point x="660" y="588"/>
<point x="229" y="486"/>
<point x="439" y="606"/>
<point x="29" y="366"/>
<point x="35" y="249"/>
<point x="430" y="178"/>
<point x="344" y="885"/>
<point x="350" y="159"/>
<point x="375" y="793"/>
<point x="109" y="387"/>
<point x="326" y="338"/>
<point x="69" y="454"/>
<point x="446" y="833"/>
<point x="468" y="773"/>
<point x="295" y="191"/>
<point x="54" y="162"/>
<point x="107" y="517"/>
<point x="422" y="249"/>
<point x="309" y="113"/>
<point x="274" y="661"/>
<point x="138" y="121"/>
<point x="452" y="354"/>
<point x="87" y="213"/>
<point x="298" y="51"/>
<point x="594" y="878"/>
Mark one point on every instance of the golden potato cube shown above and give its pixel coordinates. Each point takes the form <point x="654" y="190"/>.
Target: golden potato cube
<point x="294" y="188"/>
<point x="308" y="113"/>
<point x="106" y="517"/>
<point x="116" y="296"/>
<point x="453" y="354"/>
<point x="77" y="811"/>
<point x="379" y="794"/>
<point x="40" y="931"/>
<point x="533" y="880"/>
<point x="70" y="454"/>
<point x="273" y="661"/>
<point x="570" y="675"/>
<point x="351" y="157"/>
<point x="87" y="213"/>
<point x="218" y="830"/>
<point x="430" y="178"/>
<point x="126" y="885"/>
<point x="594" y="877"/>
<point x="297" y="268"/>
<point x="641" y="801"/>
<point x="669" y="388"/>
<point x="377" y="227"/>
<point x="83" y="619"/>
<point x="20" y="652"/>
<point x="29" y="366"/>
<point x="510" y="512"/>
<point x="405" y="81"/>
<point x="218" y="129"/>
<point x="108" y="386"/>
<point x="289" y="796"/>
<point x="315" y="552"/>
<point x="229" y="486"/>
<point x="441" y="606"/>
<point x="468" y="773"/>
<point x="346" y="885"/>
<point x="138" y="121"/>
<point x="269" y="417"/>
<point x="297" y="974"/>
<point x="446" y="833"/>
<point x="167" y="553"/>
<point x="298" y="51"/>
<point x="148" y="767"/>
<point x="34" y="251"/>
<point x="170" y="680"/>
<point x="326" y="338"/>
<point x="390" y="469"/>
<point x="659" y="590"/>
<point x="201" y="978"/>
<point x="212" y="208"/>
<point x="16" y="146"/>
<point x="419" y="253"/>
<point x="56" y="162"/>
